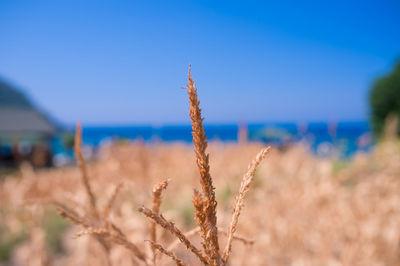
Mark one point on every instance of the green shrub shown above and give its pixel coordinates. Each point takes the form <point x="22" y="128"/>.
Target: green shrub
<point x="8" y="241"/>
<point x="54" y="226"/>
<point x="68" y="140"/>
<point x="384" y="100"/>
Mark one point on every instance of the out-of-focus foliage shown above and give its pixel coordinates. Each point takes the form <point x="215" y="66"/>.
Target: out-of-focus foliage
<point x="384" y="100"/>
<point x="54" y="226"/>
<point x="8" y="241"/>
<point x="68" y="140"/>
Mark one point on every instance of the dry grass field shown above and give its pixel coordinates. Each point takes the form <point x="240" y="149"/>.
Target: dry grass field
<point x="300" y="209"/>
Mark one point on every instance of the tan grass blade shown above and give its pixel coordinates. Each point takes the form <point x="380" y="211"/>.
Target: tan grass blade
<point x="157" y="190"/>
<point x="115" y="237"/>
<point x="170" y="226"/>
<point x="196" y="230"/>
<point x="188" y="234"/>
<point x="73" y="217"/>
<point x="111" y="200"/>
<point x="244" y="188"/>
<point x="82" y="166"/>
<point x="166" y="252"/>
<point x="57" y="203"/>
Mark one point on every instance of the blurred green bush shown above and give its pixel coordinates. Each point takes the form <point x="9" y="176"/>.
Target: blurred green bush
<point x="384" y="100"/>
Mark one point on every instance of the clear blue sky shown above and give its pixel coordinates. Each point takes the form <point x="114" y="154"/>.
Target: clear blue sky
<point x="124" y="62"/>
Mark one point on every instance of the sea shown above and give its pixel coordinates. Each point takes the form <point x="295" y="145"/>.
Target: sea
<point x="342" y="139"/>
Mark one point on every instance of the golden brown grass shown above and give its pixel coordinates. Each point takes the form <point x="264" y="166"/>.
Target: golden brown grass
<point x="244" y="188"/>
<point x="157" y="190"/>
<point x="205" y="203"/>
<point x="170" y="226"/>
<point x="97" y="223"/>
<point x="210" y="236"/>
<point x="82" y="166"/>
<point x="300" y="210"/>
<point x="168" y="253"/>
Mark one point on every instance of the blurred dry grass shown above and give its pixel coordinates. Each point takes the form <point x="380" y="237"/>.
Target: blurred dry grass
<point x="302" y="210"/>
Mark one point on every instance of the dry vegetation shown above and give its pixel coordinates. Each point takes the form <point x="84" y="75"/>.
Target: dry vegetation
<point x="301" y="210"/>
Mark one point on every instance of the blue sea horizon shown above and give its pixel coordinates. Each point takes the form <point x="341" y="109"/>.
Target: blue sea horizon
<point x="346" y="138"/>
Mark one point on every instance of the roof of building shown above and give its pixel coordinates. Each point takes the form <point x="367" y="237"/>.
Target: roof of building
<point x="28" y="121"/>
<point x="11" y="97"/>
<point x="19" y="116"/>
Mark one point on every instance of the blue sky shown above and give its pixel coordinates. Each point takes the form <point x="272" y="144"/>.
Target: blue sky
<point x="124" y="62"/>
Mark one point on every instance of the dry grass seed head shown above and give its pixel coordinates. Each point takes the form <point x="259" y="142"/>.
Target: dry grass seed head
<point x="199" y="203"/>
<point x="202" y="160"/>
